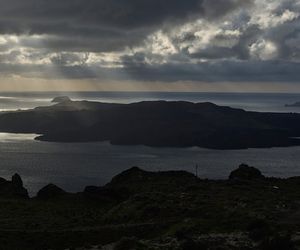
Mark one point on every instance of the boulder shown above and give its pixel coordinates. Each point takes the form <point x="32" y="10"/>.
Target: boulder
<point x="50" y="191"/>
<point x="245" y="172"/>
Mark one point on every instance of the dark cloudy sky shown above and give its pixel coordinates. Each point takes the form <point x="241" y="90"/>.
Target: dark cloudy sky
<point x="218" y="45"/>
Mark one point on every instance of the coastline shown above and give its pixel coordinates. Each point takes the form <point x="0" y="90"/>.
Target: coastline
<point x="156" y="124"/>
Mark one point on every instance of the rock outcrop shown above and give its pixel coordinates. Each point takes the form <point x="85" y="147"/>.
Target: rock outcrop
<point x="13" y="188"/>
<point x="245" y="172"/>
<point x="17" y="181"/>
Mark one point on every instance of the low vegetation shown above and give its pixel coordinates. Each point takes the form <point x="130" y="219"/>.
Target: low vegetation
<point x="155" y="210"/>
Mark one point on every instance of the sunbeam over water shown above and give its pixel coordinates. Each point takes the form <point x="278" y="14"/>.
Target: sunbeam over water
<point x="264" y="102"/>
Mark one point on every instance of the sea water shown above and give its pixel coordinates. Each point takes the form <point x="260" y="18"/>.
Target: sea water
<point x="265" y="102"/>
<point x="73" y="166"/>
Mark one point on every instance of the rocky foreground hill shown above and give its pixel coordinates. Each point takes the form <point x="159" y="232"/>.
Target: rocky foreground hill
<point x="158" y="124"/>
<point x="155" y="210"/>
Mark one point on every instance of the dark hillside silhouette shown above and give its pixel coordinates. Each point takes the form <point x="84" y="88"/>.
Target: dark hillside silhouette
<point x="157" y="123"/>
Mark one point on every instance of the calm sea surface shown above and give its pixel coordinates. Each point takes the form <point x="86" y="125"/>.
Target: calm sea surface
<point x="248" y="101"/>
<point x="75" y="165"/>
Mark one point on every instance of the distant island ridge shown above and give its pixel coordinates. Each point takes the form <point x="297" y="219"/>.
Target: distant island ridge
<point x="60" y="99"/>
<point x="156" y="124"/>
<point x="296" y="104"/>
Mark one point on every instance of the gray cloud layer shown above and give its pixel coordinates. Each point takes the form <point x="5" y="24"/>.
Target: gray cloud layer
<point x="102" y="25"/>
<point x="170" y="40"/>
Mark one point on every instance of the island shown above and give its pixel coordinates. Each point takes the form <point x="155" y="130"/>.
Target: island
<point x="156" y="124"/>
<point x="296" y="104"/>
<point x="60" y="99"/>
<point x="145" y="210"/>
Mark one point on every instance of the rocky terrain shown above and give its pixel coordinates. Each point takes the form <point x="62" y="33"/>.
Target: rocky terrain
<point x="157" y="124"/>
<point x="155" y="210"/>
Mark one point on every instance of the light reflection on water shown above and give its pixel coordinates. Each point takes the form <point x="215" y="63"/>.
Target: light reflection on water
<point x="16" y="137"/>
<point x="76" y="165"/>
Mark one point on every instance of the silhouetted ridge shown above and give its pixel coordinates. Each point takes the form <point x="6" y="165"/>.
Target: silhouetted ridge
<point x="157" y="124"/>
<point x="296" y="104"/>
<point x="50" y="191"/>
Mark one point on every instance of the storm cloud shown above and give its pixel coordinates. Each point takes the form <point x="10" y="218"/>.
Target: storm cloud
<point x="151" y="40"/>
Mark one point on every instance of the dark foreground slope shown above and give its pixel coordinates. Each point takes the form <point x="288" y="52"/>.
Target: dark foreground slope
<point x="163" y="210"/>
<point x="176" y="124"/>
